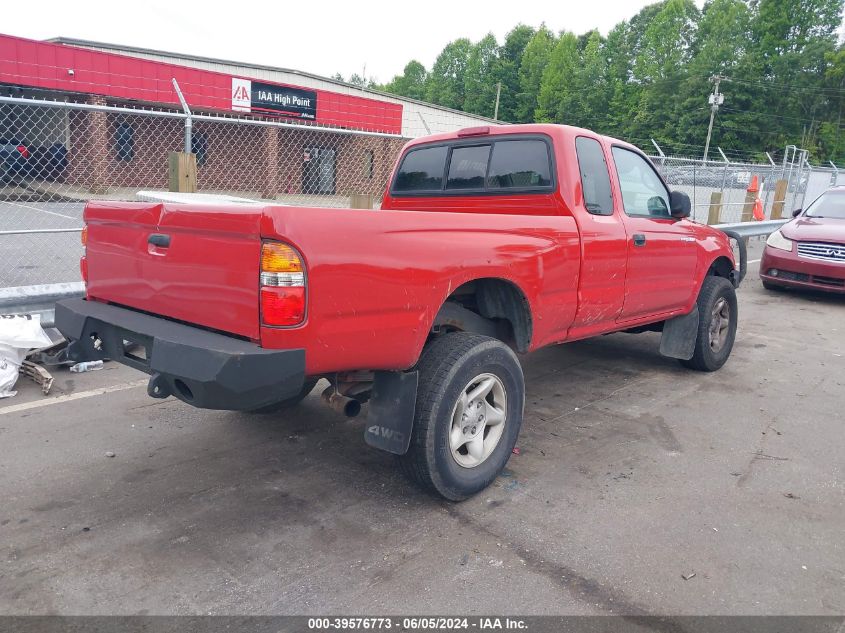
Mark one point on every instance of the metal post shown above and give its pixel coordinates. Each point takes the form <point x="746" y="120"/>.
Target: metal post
<point x="804" y="161"/>
<point x="715" y="100"/>
<point x="771" y="178"/>
<point x="772" y="184"/>
<point x="498" y="93"/>
<point x="188" y="121"/>
<point x="724" y="172"/>
<point x="786" y="158"/>
<point x="660" y="152"/>
<point x="422" y="120"/>
<point x="835" y="173"/>
<point x="788" y="175"/>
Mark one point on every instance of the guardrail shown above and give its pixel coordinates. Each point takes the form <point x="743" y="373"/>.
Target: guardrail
<point x="751" y="229"/>
<point x="741" y="231"/>
<point x="38" y="299"/>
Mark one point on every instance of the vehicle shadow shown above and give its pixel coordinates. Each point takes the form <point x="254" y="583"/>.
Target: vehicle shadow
<point x="295" y="468"/>
<point x="807" y="295"/>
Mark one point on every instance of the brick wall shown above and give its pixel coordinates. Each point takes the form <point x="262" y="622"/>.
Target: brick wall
<point x="95" y="159"/>
<point x="111" y="151"/>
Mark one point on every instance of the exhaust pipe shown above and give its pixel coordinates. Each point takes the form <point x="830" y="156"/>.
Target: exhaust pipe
<point x="340" y="403"/>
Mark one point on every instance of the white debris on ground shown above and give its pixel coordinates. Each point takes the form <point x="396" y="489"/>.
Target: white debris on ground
<point x="19" y="333"/>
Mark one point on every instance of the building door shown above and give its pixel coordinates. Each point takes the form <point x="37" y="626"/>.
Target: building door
<point x="319" y="170"/>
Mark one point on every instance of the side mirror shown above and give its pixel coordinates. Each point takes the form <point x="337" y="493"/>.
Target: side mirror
<point x="796" y="213"/>
<point x="680" y="204"/>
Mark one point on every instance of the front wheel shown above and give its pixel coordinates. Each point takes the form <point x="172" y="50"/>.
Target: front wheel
<point x="717" y="320"/>
<point x="469" y="409"/>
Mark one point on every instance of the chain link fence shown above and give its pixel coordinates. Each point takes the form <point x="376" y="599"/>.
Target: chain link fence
<point x="54" y="157"/>
<point x="720" y="190"/>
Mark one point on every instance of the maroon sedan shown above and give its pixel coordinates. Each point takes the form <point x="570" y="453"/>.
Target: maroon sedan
<point x="809" y="251"/>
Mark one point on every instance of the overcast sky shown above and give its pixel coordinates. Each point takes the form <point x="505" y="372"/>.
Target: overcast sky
<point x="317" y="36"/>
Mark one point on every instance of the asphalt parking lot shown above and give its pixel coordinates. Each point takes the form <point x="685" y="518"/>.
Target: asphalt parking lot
<point x="640" y="488"/>
<point x="39" y="258"/>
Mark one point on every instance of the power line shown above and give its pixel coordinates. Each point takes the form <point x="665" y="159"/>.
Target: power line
<point x="771" y="84"/>
<point x="781" y="116"/>
<point x="647" y="141"/>
<point x="747" y="131"/>
<point x="680" y="78"/>
<point x="695" y="149"/>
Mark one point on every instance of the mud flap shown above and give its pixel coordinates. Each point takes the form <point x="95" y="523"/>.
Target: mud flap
<point x="679" y="336"/>
<point x="391" y="415"/>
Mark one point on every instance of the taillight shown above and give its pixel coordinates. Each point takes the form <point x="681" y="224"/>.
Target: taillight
<point x="282" y="285"/>
<point x="83" y="261"/>
<point x="23" y="151"/>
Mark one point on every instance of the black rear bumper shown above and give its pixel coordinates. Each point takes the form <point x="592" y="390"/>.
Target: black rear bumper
<point x="204" y="369"/>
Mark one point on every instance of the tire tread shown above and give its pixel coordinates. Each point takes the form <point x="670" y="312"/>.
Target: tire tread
<point x="435" y="366"/>
<point x="711" y="287"/>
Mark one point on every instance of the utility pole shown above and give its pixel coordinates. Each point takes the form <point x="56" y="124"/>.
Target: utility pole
<point x="498" y="93"/>
<point x="715" y="100"/>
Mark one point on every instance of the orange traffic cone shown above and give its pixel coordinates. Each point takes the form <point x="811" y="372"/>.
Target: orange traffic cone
<point x="753" y="186"/>
<point x="758" y="209"/>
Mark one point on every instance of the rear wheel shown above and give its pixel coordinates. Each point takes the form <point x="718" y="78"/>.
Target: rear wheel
<point x="469" y="408"/>
<point x="289" y="403"/>
<point x="717" y="320"/>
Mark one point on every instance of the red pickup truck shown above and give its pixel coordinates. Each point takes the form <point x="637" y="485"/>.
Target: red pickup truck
<point x="489" y="242"/>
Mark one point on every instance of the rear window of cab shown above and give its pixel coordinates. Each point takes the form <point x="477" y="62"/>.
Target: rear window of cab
<point x="501" y="166"/>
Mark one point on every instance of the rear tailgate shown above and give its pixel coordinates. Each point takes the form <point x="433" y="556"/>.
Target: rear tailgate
<point x="198" y="264"/>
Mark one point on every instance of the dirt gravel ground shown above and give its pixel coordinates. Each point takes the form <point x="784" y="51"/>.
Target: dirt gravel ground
<point x="633" y="474"/>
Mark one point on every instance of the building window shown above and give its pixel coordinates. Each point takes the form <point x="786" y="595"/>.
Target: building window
<point x="199" y="146"/>
<point x="124" y="142"/>
<point x="369" y="164"/>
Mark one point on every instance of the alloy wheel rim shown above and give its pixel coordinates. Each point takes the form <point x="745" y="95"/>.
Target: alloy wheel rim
<point x="478" y="420"/>
<point x="720" y="321"/>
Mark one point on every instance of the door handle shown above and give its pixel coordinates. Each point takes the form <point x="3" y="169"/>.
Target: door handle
<point x="639" y="239"/>
<point x="159" y="239"/>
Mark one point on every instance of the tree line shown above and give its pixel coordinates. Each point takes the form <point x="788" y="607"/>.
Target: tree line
<point x="781" y="62"/>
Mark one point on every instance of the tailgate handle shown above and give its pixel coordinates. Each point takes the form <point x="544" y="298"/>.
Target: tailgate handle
<point x="159" y="239"/>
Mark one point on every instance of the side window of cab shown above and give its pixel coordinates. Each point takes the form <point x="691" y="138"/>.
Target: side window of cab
<point x="643" y="193"/>
<point x="595" y="179"/>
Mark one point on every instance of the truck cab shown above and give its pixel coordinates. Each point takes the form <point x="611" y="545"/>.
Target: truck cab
<point x="640" y="256"/>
